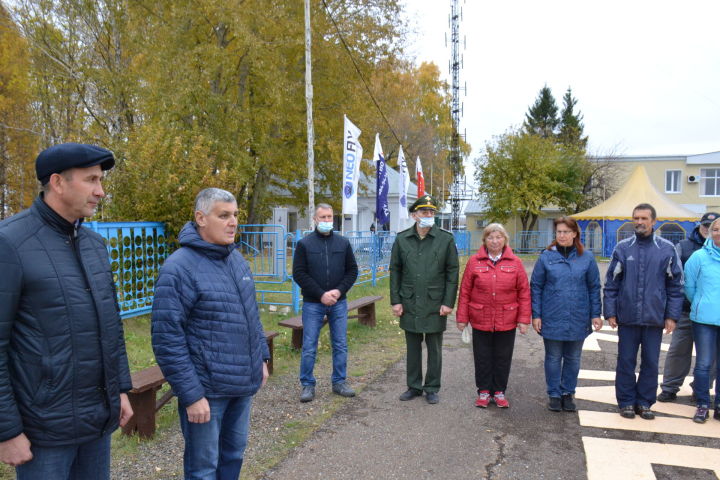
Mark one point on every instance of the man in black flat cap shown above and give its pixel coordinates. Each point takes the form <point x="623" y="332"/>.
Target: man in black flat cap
<point x="423" y="286"/>
<point x="63" y="367"/>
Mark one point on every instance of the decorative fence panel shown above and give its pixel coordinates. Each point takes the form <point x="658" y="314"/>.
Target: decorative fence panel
<point x="136" y="251"/>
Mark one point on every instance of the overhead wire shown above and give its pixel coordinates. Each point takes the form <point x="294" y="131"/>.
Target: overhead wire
<point x="359" y="72"/>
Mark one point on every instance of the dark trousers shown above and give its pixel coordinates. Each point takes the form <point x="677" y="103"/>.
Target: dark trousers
<point x="433" y="343"/>
<point x="642" y="391"/>
<point x="492" y="352"/>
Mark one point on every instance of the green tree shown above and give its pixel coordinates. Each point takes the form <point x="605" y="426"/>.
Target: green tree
<point x="542" y="117"/>
<point x="518" y="176"/>
<point x="571" y="124"/>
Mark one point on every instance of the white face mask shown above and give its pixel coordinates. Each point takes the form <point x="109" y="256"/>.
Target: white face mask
<point x="426" y="222"/>
<point x="325" y="227"/>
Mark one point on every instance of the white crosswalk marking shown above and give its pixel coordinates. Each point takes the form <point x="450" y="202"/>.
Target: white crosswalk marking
<point x="624" y="459"/>
<point x="671" y="425"/>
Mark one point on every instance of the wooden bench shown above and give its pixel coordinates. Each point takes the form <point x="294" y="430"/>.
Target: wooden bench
<point x="143" y="396"/>
<point x="366" y="316"/>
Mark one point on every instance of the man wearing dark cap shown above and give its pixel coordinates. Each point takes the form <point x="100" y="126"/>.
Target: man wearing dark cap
<point x="679" y="356"/>
<point x="423" y="286"/>
<point x="63" y="367"/>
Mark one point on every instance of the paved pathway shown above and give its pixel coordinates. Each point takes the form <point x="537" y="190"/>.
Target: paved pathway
<point x="374" y="436"/>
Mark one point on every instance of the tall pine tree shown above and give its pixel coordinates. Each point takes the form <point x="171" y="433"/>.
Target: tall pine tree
<point x="571" y="125"/>
<point x="542" y="118"/>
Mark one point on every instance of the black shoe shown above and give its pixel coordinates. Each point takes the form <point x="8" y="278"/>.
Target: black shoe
<point x="644" y="412"/>
<point x="666" y="396"/>
<point x="701" y="414"/>
<point x="554" y="404"/>
<point x="627" y="412"/>
<point x="568" y="404"/>
<point x="308" y="393"/>
<point x="432" y="398"/>
<point x="342" y="389"/>
<point x="409" y="395"/>
<point x="716" y="415"/>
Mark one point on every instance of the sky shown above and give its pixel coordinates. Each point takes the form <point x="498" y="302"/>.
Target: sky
<point x="646" y="74"/>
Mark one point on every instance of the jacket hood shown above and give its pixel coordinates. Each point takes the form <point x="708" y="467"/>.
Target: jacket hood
<point x="189" y="237"/>
<point x="712" y="250"/>
<point x="696" y="237"/>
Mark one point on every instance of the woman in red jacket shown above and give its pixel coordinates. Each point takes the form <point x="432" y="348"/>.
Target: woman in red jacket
<point x="495" y="300"/>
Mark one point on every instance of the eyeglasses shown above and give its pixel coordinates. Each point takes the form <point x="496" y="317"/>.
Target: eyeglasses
<point x="563" y="232"/>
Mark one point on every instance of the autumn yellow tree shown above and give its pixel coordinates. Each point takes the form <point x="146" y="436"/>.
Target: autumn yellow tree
<point x="18" y="141"/>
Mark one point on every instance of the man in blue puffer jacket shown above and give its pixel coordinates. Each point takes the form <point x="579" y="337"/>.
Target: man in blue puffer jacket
<point x="63" y="367"/>
<point x="208" y="339"/>
<point x="643" y="293"/>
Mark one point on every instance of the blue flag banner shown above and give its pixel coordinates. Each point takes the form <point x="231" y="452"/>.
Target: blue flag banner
<point x="382" y="209"/>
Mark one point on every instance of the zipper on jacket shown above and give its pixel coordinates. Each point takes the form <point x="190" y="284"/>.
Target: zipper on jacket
<point x="327" y="267"/>
<point x="228" y="265"/>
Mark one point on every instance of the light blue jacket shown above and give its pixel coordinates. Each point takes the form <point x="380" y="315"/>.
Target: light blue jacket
<point x="565" y="294"/>
<point x="702" y="284"/>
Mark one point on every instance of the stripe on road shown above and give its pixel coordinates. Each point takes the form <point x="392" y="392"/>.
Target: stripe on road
<point x="671" y="425"/>
<point x="608" y="458"/>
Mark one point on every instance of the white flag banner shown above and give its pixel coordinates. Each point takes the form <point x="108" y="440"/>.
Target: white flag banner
<point x="404" y="185"/>
<point x="352" y="155"/>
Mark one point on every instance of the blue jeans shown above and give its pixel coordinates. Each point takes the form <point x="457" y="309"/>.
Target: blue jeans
<point x="86" y="461"/>
<point x="707" y="350"/>
<point x="214" y="450"/>
<point x="562" y="366"/>
<point x="643" y="391"/>
<point x="312" y="318"/>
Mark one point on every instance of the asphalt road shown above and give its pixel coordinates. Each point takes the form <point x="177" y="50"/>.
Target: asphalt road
<point x="375" y="436"/>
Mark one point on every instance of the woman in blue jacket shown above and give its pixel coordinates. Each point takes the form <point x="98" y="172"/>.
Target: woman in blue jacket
<point x="702" y="288"/>
<point x="565" y="288"/>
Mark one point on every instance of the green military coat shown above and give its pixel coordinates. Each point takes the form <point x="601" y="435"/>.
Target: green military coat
<point x="423" y="276"/>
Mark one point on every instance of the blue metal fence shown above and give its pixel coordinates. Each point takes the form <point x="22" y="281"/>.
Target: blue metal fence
<point x="372" y="253"/>
<point x="534" y="242"/>
<point x="265" y="248"/>
<point x="136" y="251"/>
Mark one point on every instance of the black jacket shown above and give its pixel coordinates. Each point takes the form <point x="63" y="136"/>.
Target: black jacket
<point x="322" y="263"/>
<point x="62" y="352"/>
<point x="685" y="248"/>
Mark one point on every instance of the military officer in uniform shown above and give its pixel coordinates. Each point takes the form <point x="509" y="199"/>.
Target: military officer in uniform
<point x="423" y="286"/>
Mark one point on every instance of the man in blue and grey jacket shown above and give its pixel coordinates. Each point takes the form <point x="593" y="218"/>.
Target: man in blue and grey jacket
<point x="643" y="294"/>
<point x="208" y="339"/>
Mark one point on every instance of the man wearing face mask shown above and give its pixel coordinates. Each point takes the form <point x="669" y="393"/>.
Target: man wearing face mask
<point x="423" y="286"/>
<point x="324" y="267"/>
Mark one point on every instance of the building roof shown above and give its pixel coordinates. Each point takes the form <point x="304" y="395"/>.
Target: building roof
<point x="637" y="189"/>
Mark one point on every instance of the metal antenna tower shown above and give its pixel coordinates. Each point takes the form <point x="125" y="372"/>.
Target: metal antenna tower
<point x="458" y="189"/>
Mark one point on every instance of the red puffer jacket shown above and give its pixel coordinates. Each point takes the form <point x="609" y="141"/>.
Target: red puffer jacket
<point x="494" y="297"/>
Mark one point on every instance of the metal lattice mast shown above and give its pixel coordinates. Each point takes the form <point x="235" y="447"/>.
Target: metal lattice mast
<point x="455" y="154"/>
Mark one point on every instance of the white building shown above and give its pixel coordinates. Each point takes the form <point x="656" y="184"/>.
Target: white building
<point x="292" y="218"/>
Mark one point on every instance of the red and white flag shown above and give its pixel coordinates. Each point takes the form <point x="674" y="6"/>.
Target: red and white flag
<point x="420" y="178"/>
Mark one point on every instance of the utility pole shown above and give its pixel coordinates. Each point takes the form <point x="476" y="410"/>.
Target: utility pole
<point x="308" y="102"/>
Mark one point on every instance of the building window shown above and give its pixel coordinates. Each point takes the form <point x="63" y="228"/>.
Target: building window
<point x="672" y="181"/>
<point x="710" y="182"/>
